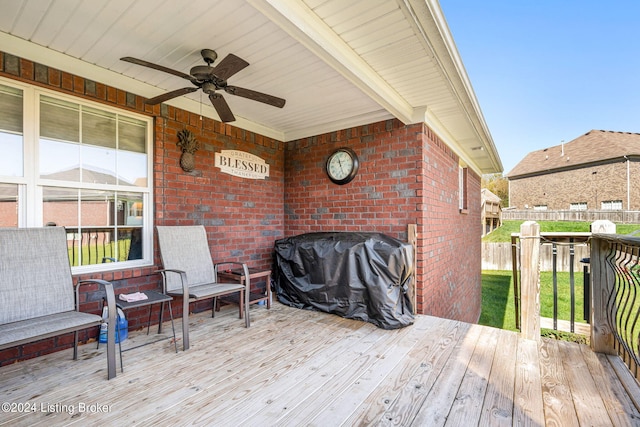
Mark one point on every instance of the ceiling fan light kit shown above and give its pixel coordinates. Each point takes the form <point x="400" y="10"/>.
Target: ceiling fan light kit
<point x="210" y="80"/>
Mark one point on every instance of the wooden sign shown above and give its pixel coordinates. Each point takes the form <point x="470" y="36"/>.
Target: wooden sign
<point x="241" y="164"/>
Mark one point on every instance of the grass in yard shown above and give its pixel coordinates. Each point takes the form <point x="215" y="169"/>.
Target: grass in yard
<point x="503" y="233"/>
<point x="498" y="307"/>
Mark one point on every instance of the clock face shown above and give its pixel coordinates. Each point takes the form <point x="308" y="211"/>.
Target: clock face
<point x="342" y="166"/>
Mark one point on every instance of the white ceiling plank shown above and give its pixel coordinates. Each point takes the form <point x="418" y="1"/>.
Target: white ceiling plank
<point x="355" y="14"/>
<point x="11" y="11"/>
<point x="378" y="28"/>
<point x="337" y="63"/>
<point x="56" y="19"/>
<point x="30" y="16"/>
<point x="75" y="25"/>
<point x="302" y="24"/>
<point x="99" y="27"/>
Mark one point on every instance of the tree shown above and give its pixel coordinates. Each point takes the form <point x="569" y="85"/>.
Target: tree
<point x="498" y="185"/>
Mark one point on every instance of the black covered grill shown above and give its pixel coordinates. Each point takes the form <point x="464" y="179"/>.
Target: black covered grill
<point x="363" y="276"/>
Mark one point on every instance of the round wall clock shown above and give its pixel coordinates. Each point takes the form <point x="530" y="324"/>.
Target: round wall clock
<point x="342" y="165"/>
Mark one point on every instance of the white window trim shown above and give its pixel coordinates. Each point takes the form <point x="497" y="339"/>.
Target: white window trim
<point x="611" y="205"/>
<point x="463" y="191"/>
<point x="30" y="185"/>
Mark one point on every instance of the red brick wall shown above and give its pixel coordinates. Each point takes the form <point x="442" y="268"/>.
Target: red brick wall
<point x="384" y="195"/>
<point x="449" y="255"/>
<point x="588" y="184"/>
<point x="242" y="216"/>
<point x="406" y="176"/>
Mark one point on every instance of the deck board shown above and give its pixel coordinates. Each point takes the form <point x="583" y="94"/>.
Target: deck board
<point x="587" y="400"/>
<point x="528" y="405"/>
<point x="298" y="367"/>
<point x="467" y="406"/>
<point x="556" y="392"/>
<point x="444" y="390"/>
<point x="498" y="404"/>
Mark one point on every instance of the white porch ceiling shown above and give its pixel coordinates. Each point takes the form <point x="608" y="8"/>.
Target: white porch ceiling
<point x="337" y="63"/>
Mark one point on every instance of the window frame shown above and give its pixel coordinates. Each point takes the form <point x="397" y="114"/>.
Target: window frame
<point x="611" y="205"/>
<point x="30" y="185"/>
<point x="463" y="191"/>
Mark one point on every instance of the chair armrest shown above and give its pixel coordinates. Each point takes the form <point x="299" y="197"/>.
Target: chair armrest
<point x="111" y="330"/>
<point x="108" y="289"/>
<point x="183" y="279"/>
<point x="244" y="268"/>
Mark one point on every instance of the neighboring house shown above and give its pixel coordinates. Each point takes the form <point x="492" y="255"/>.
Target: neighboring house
<point x="491" y="211"/>
<point x="599" y="170"/>
<point x="385" y="81"/>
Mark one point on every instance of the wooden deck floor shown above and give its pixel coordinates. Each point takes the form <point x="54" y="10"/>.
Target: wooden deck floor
<point x="299" y="368"/>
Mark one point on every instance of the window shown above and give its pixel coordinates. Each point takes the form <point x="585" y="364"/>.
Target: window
<point x="581" y="206"/>
<point x="611" y="205"/>
<point x="462" y="189"/>
<point x="540" y="208"/>
<point x="80" y="165"/>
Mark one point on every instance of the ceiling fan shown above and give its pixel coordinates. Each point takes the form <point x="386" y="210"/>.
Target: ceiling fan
<point x="210" y="80"/>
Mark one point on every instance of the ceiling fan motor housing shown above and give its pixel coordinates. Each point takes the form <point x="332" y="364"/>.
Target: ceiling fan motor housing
<point x="209" y="88"/>
<point x="201" y="72"/>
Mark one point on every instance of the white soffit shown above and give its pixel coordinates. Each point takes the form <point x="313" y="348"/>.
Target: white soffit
<point x="338" y="63"/>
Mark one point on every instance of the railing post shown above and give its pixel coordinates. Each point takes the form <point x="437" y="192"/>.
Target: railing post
<point x="530" y="280"/>
<point x="514" y="271"/>
<point x="602" y="282"/>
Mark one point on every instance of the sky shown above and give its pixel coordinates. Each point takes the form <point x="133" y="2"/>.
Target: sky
<point x="548" y="71"/>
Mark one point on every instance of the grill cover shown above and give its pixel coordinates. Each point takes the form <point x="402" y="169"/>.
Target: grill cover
<point x="363" y="276"/>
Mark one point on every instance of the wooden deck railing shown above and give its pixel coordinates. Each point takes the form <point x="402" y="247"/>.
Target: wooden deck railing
<point x="531" y="243"/>
<point x="614" y="284"/>
<point x="615" y="281"/>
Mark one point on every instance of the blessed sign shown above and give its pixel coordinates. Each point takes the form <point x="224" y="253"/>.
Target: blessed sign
<point x="242" y="164"/>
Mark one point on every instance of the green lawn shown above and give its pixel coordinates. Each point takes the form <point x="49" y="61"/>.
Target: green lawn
<point x="498" y="308"/>
<point x="503" y="233"/>
<point x="497" y="286"/>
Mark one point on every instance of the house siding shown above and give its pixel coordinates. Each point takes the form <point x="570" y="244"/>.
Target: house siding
<point x="407" y="176"/>
<point x="591" y="184"/>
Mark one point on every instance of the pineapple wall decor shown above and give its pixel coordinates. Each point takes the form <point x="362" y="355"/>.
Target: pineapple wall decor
<point x="189" y="145"/>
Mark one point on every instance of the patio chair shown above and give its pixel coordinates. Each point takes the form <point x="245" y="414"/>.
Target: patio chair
<point x="188" y="270"/>
<point x="38" y="298"/>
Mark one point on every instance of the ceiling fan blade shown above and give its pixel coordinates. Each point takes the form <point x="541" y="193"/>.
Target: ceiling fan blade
<point x="166" y="96"/>
<point x="157" y="67"/>
<point x="221" y="106"/>
<point x="230" y="65"/>
<point x="256" y="96"/>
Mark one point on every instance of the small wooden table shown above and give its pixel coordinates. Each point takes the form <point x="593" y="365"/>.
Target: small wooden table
<point x="238" y="276"/>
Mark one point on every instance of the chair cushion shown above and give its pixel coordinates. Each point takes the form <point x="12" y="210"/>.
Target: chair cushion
<point x="186" y="248"/>
<point x="209" y="290"/>
<point x="35" y="274"/>
<point x="16" y="333"/>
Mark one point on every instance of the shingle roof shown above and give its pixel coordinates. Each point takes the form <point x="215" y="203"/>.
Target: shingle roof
<point x="593" y="146"/>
